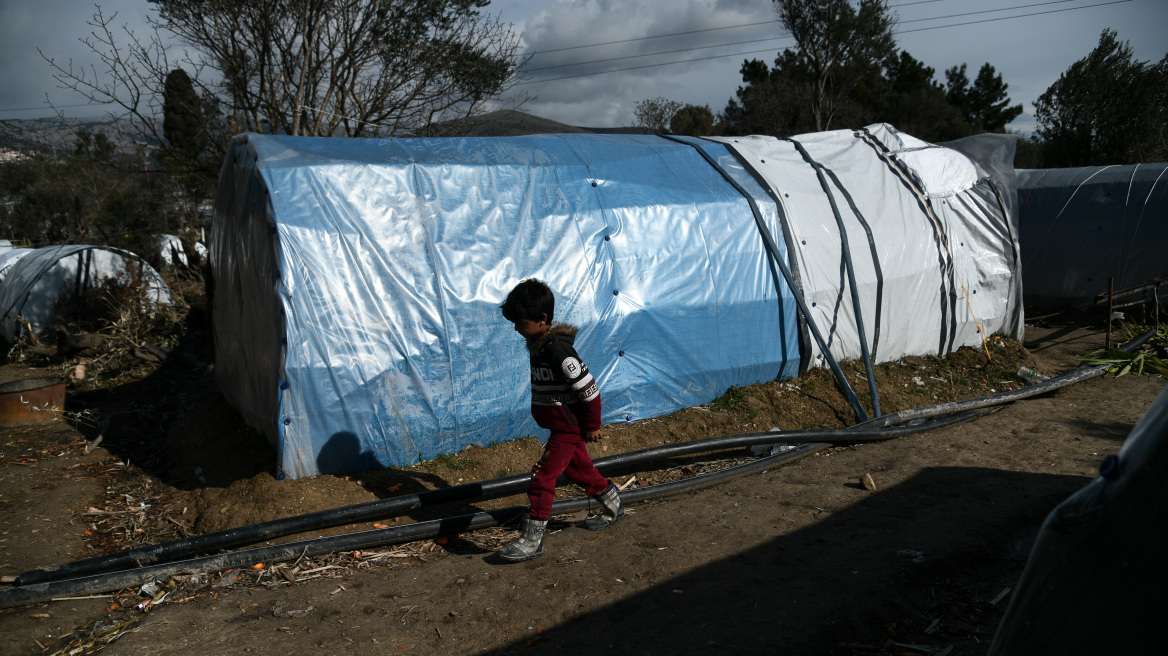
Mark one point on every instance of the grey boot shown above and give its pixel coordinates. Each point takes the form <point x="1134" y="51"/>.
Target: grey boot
<point x="611" y="510"/>
<point x="530" y="542"/>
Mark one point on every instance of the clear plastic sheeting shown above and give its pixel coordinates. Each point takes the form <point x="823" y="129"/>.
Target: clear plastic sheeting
<point x="357" y="285"/>
<point x="931" y="239"/>
<point x="1095" y="579"/>
<point x="1082" y="226"/>
<point x="32" y="280"/>
<point x="9" y="258"/>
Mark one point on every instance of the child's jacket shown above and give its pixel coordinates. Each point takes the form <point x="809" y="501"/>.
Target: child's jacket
<point x="564" y="396"/>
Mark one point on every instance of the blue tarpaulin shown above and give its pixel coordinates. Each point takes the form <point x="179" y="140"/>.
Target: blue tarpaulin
<point x="377" y="337"/>
<point x="357" y="282"/>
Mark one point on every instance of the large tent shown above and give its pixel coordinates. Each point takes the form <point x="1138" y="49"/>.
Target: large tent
<point x="1082" y="226"/>
<point x="357" y="282"/>
<point x="32" y="280"/>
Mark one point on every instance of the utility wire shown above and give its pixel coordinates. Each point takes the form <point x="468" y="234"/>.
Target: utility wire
<point x="991" y="20"/>
<point x="773" y="38"/>
<point x="752" y="52"/>
<point x="769" y="22"/>
<point x="989" y="11"/>
<point x="651" y="54"/>
<point x="633" y="68"/>
<point x="655" y="36"/>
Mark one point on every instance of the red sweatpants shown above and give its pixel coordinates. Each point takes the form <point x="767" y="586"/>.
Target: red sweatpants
<point x="564" y="453"/>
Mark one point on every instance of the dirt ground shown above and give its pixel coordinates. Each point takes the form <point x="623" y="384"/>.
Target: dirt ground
<point x="800" y="558"/>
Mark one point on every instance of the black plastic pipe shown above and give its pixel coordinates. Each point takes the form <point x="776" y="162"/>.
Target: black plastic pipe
<point x="251" y="534"/>
<point x="773" y="251"/>
<point x="1071" y="377"/>
<point x="846" y="254"/>
<point x="875" y="430"/>
<point x="28" y="593"/>
<point x="45" y="591"/>
<point x="40" y="592"/>
<point x="383" y="508"/>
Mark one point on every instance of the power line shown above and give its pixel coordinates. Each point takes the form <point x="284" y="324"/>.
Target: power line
<point x="708" y="29"/>
<point x="773" y="38"/>
<point x="655" y="36"/>
<point x="1037" y="13"/>
<point x="753" y="52"/>
<point x="662" y="52"/>
<point x="990" y="11"/>
<point x="633" y="68"/>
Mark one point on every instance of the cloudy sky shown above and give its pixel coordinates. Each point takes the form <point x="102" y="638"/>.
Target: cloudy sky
<point x="686" y="50"/>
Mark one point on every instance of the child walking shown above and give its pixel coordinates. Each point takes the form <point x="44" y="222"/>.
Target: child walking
<point x="565" y="400"/>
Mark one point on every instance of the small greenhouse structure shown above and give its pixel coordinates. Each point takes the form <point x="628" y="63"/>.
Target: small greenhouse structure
<point x="1081" y="226"/>
<point x="357" y="282"/>
<point x="32" y="280"/>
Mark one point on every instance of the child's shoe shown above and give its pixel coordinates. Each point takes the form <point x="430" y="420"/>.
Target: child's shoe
<point x="611" y="510"/>
<point x="530" y="542"/>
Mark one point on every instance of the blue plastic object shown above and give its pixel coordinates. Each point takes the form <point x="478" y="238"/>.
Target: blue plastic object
<point x="396" y="253"/>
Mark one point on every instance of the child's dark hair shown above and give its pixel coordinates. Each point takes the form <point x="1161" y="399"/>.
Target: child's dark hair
<point x="531" y="299"/>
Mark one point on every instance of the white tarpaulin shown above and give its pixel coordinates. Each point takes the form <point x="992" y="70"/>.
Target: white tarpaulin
<point x="927" y="231"/>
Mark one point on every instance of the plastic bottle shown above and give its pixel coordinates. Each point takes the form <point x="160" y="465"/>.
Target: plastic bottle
<point x="1031" y="375"/>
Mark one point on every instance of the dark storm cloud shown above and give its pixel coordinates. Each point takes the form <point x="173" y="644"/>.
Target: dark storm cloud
<point x="56" y="29"/>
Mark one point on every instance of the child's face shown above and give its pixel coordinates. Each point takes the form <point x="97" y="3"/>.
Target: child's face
<point x="532" y="329"/>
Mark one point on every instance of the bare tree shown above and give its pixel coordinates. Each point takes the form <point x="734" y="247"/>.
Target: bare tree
<point x="308" y="67"/>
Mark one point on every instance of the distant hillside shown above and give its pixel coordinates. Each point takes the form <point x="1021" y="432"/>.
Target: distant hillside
<point x="511" y="123"/>
<point x="45" y="134"/>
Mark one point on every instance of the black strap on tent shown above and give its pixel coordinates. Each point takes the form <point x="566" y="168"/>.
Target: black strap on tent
<point x="795" y="282"/>
<point x="944" y="264"/>
<point x="773" y="251"/>
<point x="876" y="268"/>
<point x="846" y="252"/>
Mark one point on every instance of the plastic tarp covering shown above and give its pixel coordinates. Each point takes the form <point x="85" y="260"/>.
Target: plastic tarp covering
<point x="930" y="235"/>
<point x="33" y="283"/>
<point x="357" y="285"/>
<point x="1082" y="226"/>
<point x="1096" y="577"/>
<point x="9" y="258"/>
<point x="170" y="251"/>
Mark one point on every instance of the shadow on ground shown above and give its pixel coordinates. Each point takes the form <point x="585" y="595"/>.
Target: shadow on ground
<point x="851" y="579"/>
<point x="174" y="424"/>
